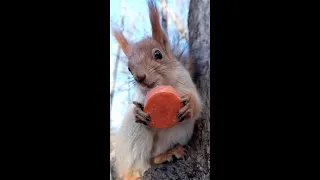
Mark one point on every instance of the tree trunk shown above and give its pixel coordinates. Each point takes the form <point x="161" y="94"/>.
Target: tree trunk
<point x="197" y="164"/>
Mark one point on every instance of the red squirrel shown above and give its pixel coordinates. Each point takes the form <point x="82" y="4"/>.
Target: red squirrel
<point x="152" y="63"/>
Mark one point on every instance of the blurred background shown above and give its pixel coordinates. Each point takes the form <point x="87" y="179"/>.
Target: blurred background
<point x="132" y="18"/>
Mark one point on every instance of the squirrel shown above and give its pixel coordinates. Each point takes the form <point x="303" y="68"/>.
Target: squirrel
<point x="151" y="63"/>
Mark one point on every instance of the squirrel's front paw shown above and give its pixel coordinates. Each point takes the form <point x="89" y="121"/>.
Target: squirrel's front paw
<point x="186" y="110"/>
<point x="140" y="116"/>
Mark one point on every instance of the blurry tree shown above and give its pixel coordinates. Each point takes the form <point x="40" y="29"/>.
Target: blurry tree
<point x="113" y="83"/>
<point x="180" y="27"/>
<point x="164" y="16"/>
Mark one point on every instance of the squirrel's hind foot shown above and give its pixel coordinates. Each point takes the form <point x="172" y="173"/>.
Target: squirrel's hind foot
<point x="177" y="151"/>
<point x="135" y="175"/>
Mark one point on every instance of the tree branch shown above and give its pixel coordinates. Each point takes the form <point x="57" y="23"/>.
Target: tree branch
<point x="164" y="15"/>
<point x="179" y="25"/>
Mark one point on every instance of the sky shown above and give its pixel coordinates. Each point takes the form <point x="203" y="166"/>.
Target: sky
<point x="136" y="26"/>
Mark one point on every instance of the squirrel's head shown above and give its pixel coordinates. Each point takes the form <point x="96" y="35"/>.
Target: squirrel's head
<point x="150" y="60"/>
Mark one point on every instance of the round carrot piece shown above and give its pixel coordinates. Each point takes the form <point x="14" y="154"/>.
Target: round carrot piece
<point x="163" y="104"/>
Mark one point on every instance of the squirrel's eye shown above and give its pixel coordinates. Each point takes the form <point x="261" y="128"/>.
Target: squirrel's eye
<point x="157" y="54"/>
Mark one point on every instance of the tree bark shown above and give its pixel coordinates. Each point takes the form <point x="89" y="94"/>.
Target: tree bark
<point x="197" y="164"/>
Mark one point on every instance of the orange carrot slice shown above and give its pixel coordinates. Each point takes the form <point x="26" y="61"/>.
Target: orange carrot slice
<point x="163" y="104"/>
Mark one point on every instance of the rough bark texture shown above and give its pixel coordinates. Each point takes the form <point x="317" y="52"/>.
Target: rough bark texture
<point x="197" y="164"/>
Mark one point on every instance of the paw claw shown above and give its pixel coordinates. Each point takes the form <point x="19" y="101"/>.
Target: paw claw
<point x="179" y="114"/>
<point x="138" y="105"/>
<point x="148" y="118"/>
<point x="184" y="102"/>
<point x="184" y="112"/>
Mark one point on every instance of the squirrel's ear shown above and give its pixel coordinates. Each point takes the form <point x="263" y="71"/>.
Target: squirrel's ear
<point x="122" y="41"/>
<point x="157" y="32"/>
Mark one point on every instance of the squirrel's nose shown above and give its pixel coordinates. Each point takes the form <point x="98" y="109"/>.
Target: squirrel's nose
<point x="140" y="78"/>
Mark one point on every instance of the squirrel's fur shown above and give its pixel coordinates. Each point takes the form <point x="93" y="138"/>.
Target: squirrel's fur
<point x="137" y="144"/>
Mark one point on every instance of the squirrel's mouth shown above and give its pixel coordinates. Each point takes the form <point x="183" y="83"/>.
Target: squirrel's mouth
<point x="152" y="85"/>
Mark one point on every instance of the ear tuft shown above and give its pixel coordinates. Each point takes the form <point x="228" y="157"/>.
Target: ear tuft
<point x="121" y="40"/>
<point x="157" y="32"/>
